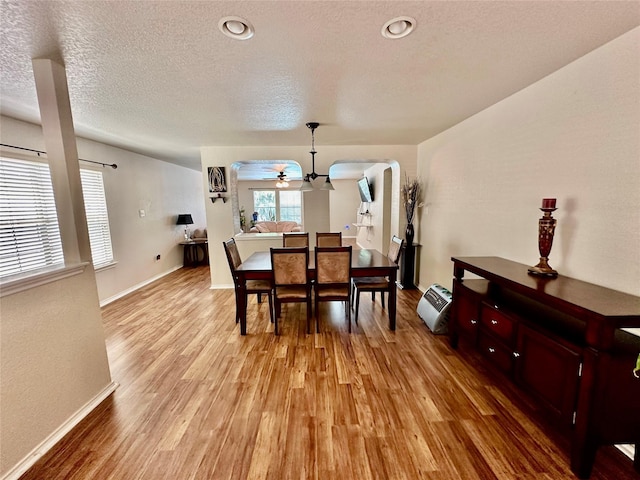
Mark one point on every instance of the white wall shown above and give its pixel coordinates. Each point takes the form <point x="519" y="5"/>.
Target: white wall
<point x="161" y="189"/>
<point x="53" y="362"/>
<point x="574" y="136"/>
<point x="344" y="202"/>
<point x="378" y="236"/>
<point x="220" y="216"/>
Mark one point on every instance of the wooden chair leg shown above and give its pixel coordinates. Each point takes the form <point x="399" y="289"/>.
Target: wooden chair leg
<point x="275" y="316"/>
<point x="270" y="297"/>
<point x="317" y="314"/>
<point x="357" y="304"/>
<point x="237" y="309"/>
<point x="309" y="315"/>
<point x="382" y="298"/>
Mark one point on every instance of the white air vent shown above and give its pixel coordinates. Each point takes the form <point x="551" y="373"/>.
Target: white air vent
<point x="433" y="308"/>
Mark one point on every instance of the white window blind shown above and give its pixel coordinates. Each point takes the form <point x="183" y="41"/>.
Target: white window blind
<point x="95" y="204"/>
<point x="290" y="203"/>
<point x="29" y="233"/>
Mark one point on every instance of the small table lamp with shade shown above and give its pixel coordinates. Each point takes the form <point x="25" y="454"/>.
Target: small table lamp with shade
<point x="185" y="219"/>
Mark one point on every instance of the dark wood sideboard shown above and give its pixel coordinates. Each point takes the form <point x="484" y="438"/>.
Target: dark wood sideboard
<point x="561" y="341"/>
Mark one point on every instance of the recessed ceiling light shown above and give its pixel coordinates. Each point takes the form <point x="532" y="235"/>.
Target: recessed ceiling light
<point x="398" y="27"/>
<point x="236" y="27"/>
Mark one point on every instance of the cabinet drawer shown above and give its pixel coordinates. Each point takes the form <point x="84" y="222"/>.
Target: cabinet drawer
<point x="496" y="352"/>
<point x="497" y="323"/>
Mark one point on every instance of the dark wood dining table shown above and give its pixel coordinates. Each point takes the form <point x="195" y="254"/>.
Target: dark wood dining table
<point x="364" y="263"/>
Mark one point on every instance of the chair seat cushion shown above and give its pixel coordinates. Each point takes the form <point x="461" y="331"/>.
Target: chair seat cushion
<point x="262" y="285"/>
<point x="371" y="282"/>
<point x="332" y="291"/>
<point x="291" y="291"/>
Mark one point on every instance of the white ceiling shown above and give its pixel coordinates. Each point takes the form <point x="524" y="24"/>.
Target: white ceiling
<point x="159" y="78"/>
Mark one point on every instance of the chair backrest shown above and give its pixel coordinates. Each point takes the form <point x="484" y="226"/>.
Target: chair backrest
<point x="233" y="256"/>
<point x="395" y="247"/>
<point x="295" y="239"/>
<point x="290" y="265"/>
<point x="333" y="265"/>
<point x="328" y="239"/>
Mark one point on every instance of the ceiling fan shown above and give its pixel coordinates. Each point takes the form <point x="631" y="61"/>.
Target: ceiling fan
<point x="283" y="180"/>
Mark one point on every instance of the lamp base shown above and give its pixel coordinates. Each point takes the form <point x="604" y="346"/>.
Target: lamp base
<point x="543" y="269"/>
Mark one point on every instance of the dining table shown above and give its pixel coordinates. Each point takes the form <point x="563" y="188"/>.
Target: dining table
<point x="364" y="263"/>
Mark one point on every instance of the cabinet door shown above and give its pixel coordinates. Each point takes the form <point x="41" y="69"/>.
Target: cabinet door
<point x="549" y="370"/>
<point x="468" y="309"/>
<point x="496" y="352"/>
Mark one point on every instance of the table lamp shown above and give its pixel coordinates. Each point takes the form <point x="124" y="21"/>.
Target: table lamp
<point x="185" y="219"/>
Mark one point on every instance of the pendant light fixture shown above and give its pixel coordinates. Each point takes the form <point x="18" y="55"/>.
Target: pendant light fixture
<point x="306" y="182"/>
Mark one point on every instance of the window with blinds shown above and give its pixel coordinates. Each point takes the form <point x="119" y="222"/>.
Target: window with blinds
<point x="278" y="205"/>
<point x="95" y="204"/>
<point x="29" y="233"/>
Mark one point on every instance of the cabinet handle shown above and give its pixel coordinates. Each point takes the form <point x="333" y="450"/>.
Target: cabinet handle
<point x="492" y="350"/>
<point x="516" y="354"/>
<point x="473" y="322"/>
<point x="494" y="322"/>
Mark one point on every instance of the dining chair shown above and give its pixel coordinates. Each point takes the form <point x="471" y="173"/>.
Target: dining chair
<point x="328" y="239"/>
<point x="252" y="286"/>
<point x="333" y="278"/>
<point x="295" y="239"/>
<point x="290" y="280"/>
<point x="376" y="284"/>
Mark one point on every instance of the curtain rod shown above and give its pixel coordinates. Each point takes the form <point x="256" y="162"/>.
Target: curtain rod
<point x="112" y="165"/>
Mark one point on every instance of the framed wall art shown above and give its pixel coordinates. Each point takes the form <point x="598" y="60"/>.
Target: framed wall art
<point x="217" y="180"/>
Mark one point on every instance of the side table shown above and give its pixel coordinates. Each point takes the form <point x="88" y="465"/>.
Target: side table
<point x="196" y="252"/>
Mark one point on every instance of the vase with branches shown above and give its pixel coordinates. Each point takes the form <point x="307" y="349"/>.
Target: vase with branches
<point x="411" y="196"/>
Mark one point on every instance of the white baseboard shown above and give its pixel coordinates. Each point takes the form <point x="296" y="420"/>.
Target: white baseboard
<point x="47" y="444"/>
<point x="107" y="301"/>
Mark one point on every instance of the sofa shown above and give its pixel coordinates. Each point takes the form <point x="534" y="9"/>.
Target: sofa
<point x="275" y="227"/>
<point x="198" y="234"/>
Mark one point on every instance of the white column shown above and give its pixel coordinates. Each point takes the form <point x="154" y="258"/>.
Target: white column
<point x="62" y="152"/>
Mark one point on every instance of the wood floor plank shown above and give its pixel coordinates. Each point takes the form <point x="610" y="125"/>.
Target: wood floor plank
<point x="199" y="401"/>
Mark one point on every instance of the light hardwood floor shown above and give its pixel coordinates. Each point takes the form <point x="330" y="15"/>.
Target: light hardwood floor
<point x="198" y="401"/>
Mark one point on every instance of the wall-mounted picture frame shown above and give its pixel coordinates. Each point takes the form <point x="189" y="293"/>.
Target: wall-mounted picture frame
<point x="217" y="180"/>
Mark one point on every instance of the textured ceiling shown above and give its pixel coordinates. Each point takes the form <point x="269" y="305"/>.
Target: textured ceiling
<point x="159" y="78"/>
